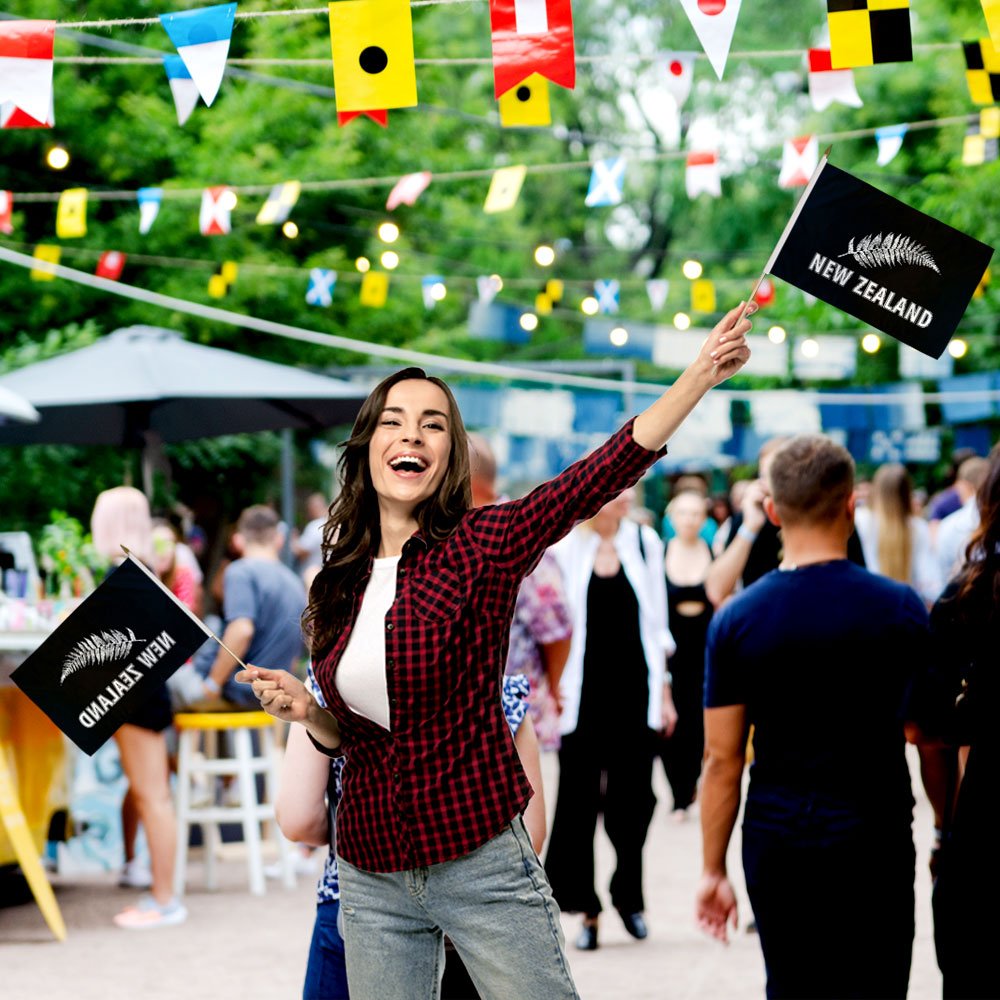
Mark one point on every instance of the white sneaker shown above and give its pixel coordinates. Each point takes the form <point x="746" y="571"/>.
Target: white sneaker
<point x="147" y="915"/>
<point x="135" y="875"/>
<point x="302" y="864"/>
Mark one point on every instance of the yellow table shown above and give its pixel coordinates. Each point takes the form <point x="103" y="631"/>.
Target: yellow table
<point x="33" y="775"/>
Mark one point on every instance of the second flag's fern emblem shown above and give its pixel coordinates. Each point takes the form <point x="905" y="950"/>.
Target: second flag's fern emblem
<point x="890" y="251"/>
<point x="106" y="647"/>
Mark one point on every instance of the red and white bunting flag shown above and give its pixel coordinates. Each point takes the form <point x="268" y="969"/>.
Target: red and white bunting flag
<point x="110" y="265"/>
<point x="799" y="158"/>
<point x="6" y="207"/>
<point x="532" y="36"/>
<point x="714" y="22"/>
<point x="678" y="72"/>
<point x="12" y="116"/>
<point x="26" y="66"/>
<point x="828" y="85"/>
<point x="702" y="175"/>
<point x="213" y="220"/>
<point x="408" y="189"/>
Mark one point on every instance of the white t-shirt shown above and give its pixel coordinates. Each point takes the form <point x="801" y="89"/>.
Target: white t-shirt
<point x="360" y="676"/>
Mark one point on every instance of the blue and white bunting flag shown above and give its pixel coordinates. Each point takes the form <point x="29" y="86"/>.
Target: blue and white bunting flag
<point x="202" y="38"/>
<point x="890" y="142"/>
<point x="606" y="182"/>
<point x="149" y="206"/>
<point x="184" y="89"/>
<point x="433" y="290"/>
<point x="607" y="291"/>
<point x="321" y="284"/>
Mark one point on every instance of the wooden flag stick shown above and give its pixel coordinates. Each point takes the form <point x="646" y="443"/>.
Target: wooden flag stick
<point x="181" y="604"/>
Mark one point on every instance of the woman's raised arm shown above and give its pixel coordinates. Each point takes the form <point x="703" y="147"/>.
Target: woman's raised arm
<point x="723" y="354"/>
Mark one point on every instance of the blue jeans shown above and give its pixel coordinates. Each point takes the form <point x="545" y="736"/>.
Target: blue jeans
<point x="496" y="906"/>
<point x="326" y="971"/>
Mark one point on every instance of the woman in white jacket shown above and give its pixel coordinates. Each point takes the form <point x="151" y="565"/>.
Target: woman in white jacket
<point x="615" y="698"/>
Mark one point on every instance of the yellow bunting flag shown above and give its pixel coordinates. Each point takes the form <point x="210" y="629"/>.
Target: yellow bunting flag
<point x="865" y="32"/>
<point x="991" y="8"/>
<point x="973" y="150"/>
<point x="527" y="103"/>
<point x="504" y="189"/>
<point x="48" y="253"/>
<point x="279" y="204"/>
<point x="554" y="289"/>
<point x="543" y="304"/>
<point x="71" y="214"/>
<point x="983" y="283"/>
<point x="989" y="123"/>
<point x="374" y="289"/>
<point x="982" y="71"/>
<point x="702" y="296"/>
<point x="372" y="42"/>
<point x="223" y="279"/>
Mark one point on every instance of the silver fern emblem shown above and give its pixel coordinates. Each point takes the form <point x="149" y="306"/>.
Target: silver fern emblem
<point x="890" y="251"/>
<point x="96" y="649"/>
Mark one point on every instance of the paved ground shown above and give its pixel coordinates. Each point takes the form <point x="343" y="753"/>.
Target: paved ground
<point x="235" y="945"/>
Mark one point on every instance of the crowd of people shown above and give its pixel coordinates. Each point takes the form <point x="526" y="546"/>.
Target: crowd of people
<point x="455" y="635"/>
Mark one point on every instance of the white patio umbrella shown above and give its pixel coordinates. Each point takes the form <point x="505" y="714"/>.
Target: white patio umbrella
<point x="14" y="407"/>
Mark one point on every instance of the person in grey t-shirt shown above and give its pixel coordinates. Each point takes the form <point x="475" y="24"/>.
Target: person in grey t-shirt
<point x="263" y="602"/>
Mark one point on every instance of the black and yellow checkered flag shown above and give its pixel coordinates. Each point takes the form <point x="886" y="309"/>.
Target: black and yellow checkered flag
<point x="866" y="32"/>
<point x="982" y="71"/>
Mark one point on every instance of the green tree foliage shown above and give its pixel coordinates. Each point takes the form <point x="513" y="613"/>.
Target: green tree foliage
<point x="118" y="122"/>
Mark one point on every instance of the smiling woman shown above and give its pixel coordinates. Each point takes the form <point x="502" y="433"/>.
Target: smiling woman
<point x="409" y="622"/>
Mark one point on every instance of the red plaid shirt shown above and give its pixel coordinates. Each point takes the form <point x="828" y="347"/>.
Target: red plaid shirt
<point x="446" y="778"/>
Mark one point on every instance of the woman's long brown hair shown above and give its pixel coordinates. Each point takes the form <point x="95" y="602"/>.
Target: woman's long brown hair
<point x="978" y="593"/>
<point x="351" y="534"/>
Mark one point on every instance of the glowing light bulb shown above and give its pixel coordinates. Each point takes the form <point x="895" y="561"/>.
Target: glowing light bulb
<point x="363" y="264"/>
<point x="692" y="269"/>
<point x="438" y="291"/>
<point x="529" y="322"/>
<point x="870" y="343"/>
<point x="544" y="255"/>
<point x="57" y="158"/>
<point x="228" y="200"/>
<point x="682" y="321"/>
<point x="958" y="348"/>
<point x="589" y="306"/>
<point x="810" y="348"/>
<point x="618" y="336"/>
<point x="290" y="229"/>
<point x="776" y="335"/>
<point x="388" y="232"/>
<point x="390" y="260"/>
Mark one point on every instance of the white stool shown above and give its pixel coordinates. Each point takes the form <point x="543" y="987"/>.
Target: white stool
<point x="244" y="766"/>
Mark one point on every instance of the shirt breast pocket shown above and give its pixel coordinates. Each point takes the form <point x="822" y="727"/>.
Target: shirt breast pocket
<point x="440" y="597"/>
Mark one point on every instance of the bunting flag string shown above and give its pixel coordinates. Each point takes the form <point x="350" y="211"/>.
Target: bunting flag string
<point x="153" y="195"/>
<point x="434" y="362"/>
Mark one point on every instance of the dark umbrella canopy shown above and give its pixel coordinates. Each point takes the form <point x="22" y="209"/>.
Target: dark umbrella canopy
<point x="145" y="379"/>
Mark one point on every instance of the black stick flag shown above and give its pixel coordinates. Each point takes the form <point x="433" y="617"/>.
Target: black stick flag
<point x="883" y="262"/>
<point x="108" y="656"/>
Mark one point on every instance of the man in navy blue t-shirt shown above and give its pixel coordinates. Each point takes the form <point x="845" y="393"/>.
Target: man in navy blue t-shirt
<point x="818" y="657"/>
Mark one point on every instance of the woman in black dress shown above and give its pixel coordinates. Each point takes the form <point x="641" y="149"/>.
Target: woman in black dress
<point x="687" y="560"/>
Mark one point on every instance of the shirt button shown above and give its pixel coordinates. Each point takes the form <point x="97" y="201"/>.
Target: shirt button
<point x="390" y="663"/>
<point x="389" y="626"/>
<point x="392" y="701"/>
<point x="395" y="776"/>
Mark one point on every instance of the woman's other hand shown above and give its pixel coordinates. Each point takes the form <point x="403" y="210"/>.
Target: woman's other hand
<point x="280" y="693"/>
